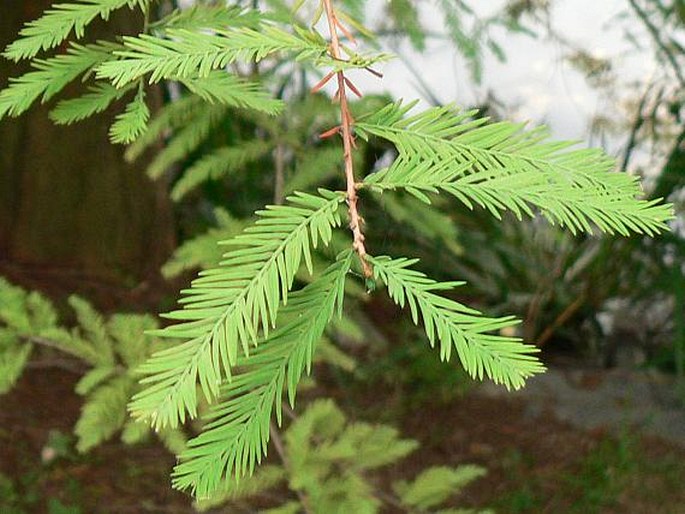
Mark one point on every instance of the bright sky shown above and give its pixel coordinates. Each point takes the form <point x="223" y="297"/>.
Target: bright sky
<point x="536" y="83"/>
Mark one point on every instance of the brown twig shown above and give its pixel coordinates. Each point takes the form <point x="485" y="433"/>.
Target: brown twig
<point x="280" y="449"/>
<point x="635" y="128"/>
<point x="288" y="411"/>
<point x="55" y="345"/>
<point x="279" y="179"/>
<point x="63" y="364"/>
<point x="566" y="314"/>
<point x="348" y="141"/>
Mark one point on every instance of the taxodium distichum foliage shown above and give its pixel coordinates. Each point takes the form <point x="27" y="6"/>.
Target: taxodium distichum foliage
<point x="246" y="332"/>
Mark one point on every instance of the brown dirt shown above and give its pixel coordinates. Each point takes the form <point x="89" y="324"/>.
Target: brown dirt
<point x="111" y="479"/>
<point x="535" y="464"/>
<point x="529" y="461"/>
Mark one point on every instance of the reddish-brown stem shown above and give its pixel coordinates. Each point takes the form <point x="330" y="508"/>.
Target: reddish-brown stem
<point x="323" y="82"/>
<point x="330" y="132"/>
<point x="348" y="143"/>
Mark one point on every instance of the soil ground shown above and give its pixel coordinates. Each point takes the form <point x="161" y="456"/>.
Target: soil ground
<point x="535" y="462"/>
<point x="543" y="452"/>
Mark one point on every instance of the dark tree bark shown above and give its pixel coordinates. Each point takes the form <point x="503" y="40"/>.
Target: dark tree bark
<point x="68" y="200"/>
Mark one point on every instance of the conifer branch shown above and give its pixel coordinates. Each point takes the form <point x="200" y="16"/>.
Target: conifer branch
<point x="505" y="360"/>
<point x="57" y="23"/>
<point x="174" y="115"/>
<point x="228" y="89"/>
<point x="187" y="137"/>
<point x="50" y="76"/>
<point x="131" y="123"/>
<point x="237" y="435"/>
<point x="500" y="166"/>
<point x="227" y="307"/>
<point x="201" y="17"/>
<point x="348" y="139"/>
<point x="188" y="54"/>
<point x="98" y="98"/>
<point x="218" y="164"/>
<point x="282" y="454"/>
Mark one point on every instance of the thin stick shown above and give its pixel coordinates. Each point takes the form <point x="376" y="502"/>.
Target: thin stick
<point x="280" y="449"/>
<point x="279" y="181"/>
<point x="348" y="143"/>
<point x="637" y="125"/>
<point x="569" y="311"/>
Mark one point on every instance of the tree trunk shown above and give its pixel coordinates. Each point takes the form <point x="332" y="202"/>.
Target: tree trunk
<point x="68" y="200"/>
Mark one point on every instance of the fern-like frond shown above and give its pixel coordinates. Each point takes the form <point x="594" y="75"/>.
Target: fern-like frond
<point x="93" y="378"/>
<point x="265" y="477"/>
<point x="128" y="333"/>
<point x="93" y="331"/>
<point x="24" y="317"/>
<point x="172" y="115"/>
<point x="436" y="485"/>
<point x="188" y="54"/>
<point x="50" y="76"/>
<point x="104" y="413"/>
<point x="505" y="360"/>
<point x="25" y="313"/>
<point x="51" y="29"/>
<point x="13" y="358"/>
<point x="323" y="434"/>
<point x="97" y="100"/>
<point x="327" y="457"/>
<point x="233" y="91"/>
<point x="500" y="166"/>
<point x="225" y="307"/>
<point x="236" y="438"/>
<point x="131" y="123"/>
<point x="218" y="164"/>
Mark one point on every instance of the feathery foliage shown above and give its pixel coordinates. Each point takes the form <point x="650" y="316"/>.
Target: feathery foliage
<point x="218" y="164"/>
<point x="326" y="460"/>
<point x="504" y="359"/>
<point x="229" y="90"/>
<point x="243" y="340"/>
<point x="57" y="24"/>
<point x="98" y="99"/>
<point x="265" y="477"/>
<point x="210" y="17"/>
<point x="435" y="485"/>
<point x="131" y="123"/>
<point x="172" y="116"/>
<point x="227" y="306"/>
<point x="187" y="53"/>
<point x="195" y="127"/>
<point x="103" y="413"/>
<point x="110" y="349"/>
<point x="500" y="166"/>
<point x="22" y="315"/>
<point x="50" y="76"/>
<point x="236" y="437"/>
<point x="13" y="359"/>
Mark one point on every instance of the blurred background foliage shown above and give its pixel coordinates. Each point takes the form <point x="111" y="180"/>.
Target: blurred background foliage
<point x="125" y="227"/>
